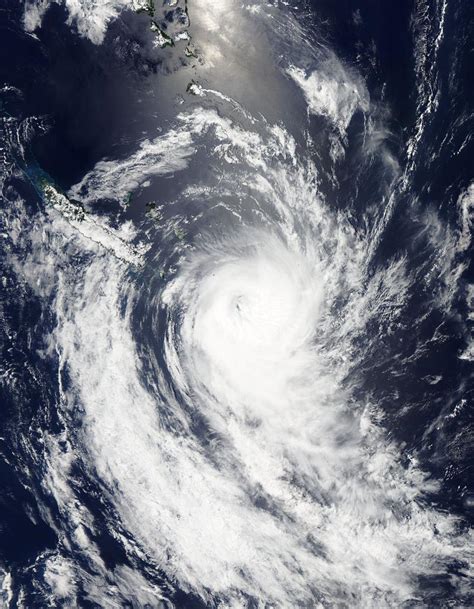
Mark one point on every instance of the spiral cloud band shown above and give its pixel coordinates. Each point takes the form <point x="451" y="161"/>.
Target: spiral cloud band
<point x="236" y="331"/>
<point x="244" y="452"/>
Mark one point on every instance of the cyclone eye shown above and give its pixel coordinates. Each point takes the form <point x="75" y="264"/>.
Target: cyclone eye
<point x="239" y="304"/>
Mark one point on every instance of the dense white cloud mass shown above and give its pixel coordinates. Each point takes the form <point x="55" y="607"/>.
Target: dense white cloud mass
<point x="291" y="491"/>
<point x="209" y="366"/>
